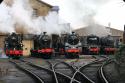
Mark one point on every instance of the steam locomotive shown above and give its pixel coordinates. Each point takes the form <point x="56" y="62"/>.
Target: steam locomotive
<point x="91" y="44"/>
<point x="107" y="45"/>
<point x="42" y="46"/>
<point x="71" y="45"/>
<point x="13" y="46"/>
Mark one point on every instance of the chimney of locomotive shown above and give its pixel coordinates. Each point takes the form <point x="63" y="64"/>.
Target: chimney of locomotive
<point x="44" y="33"/>
<point x="73" y="32"/>
<point x="124" y="35"/>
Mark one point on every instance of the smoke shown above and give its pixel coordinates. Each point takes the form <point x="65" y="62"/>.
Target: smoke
<point x="6" y="22"/>
<point x="84" y="13"/>
<point x="113" y="12"/>
<point x="79" y="12"/>
<point x="21" y="15"/>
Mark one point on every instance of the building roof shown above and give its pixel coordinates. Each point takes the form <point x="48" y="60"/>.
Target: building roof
<point x="53" y="8"/>
<point x="45" y="3"/>
<point x="114" y="32"/>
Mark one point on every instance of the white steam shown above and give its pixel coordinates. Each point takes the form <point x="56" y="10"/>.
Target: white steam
<point x="83" y="12"/>
<point x="6" y="22"/>
<point x="90" y="13"/>
<point x="21" y="14"/>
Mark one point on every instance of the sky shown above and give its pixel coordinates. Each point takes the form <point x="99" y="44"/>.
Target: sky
<point x="80" y="13"/>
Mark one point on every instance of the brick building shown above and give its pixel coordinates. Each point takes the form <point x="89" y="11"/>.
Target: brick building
<point x="41" y="9"/>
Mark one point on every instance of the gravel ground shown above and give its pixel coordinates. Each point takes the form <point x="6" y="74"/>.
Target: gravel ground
<point x="84" y="59"/>
<point x="38" y="61"/>
<point x="113" y="74"/>
<point x="10" y="74"/>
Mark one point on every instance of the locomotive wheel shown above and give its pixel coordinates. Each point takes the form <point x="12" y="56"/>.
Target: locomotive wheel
<point x="16" y="57"/>
<point x="47" y="56"/>
<point x="93" y="53"/>
<point x="32" y="54"/>
<point x="76" y="56"/>
<point x="71" y="55"/>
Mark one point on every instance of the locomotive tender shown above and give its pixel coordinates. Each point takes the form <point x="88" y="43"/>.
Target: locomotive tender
<point x="13" y="46"/>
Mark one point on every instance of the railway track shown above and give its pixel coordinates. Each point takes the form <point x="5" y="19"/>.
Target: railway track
<point x="89" y="73"/>
<point x="63" y="68"/>
<point x="43" y="75"/>
<point x="103" y="73"/>
<point x="69" y="70"/>
<point x="58" y="71"/>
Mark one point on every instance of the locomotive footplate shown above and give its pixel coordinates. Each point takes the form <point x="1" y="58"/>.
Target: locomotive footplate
<point x="72" y="53"/>
<point x="46" y="50"/>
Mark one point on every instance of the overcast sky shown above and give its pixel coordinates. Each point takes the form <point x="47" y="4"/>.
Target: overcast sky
<point x="79" y="12"/>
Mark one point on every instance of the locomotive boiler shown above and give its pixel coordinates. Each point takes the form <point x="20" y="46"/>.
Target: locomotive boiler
<point x="72" y="45"/>
<point x="91" y="44"/>
<point x="13" y="46"/>
<point x="107" y="45"/>
<point x="42" y="46"/>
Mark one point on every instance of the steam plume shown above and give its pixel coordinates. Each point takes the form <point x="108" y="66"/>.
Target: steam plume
<point x="84" y="13"/>
<point x="6" y="22"/>
<point x="20" y="13"/>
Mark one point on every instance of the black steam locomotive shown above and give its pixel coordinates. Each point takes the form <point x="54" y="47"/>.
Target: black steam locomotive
<point x="13" y="45"/>
<point x="107" y="45"/>
<point x="42" y="46"/>
<point x="91" y="44"/>
<point x="71" y="45"/>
